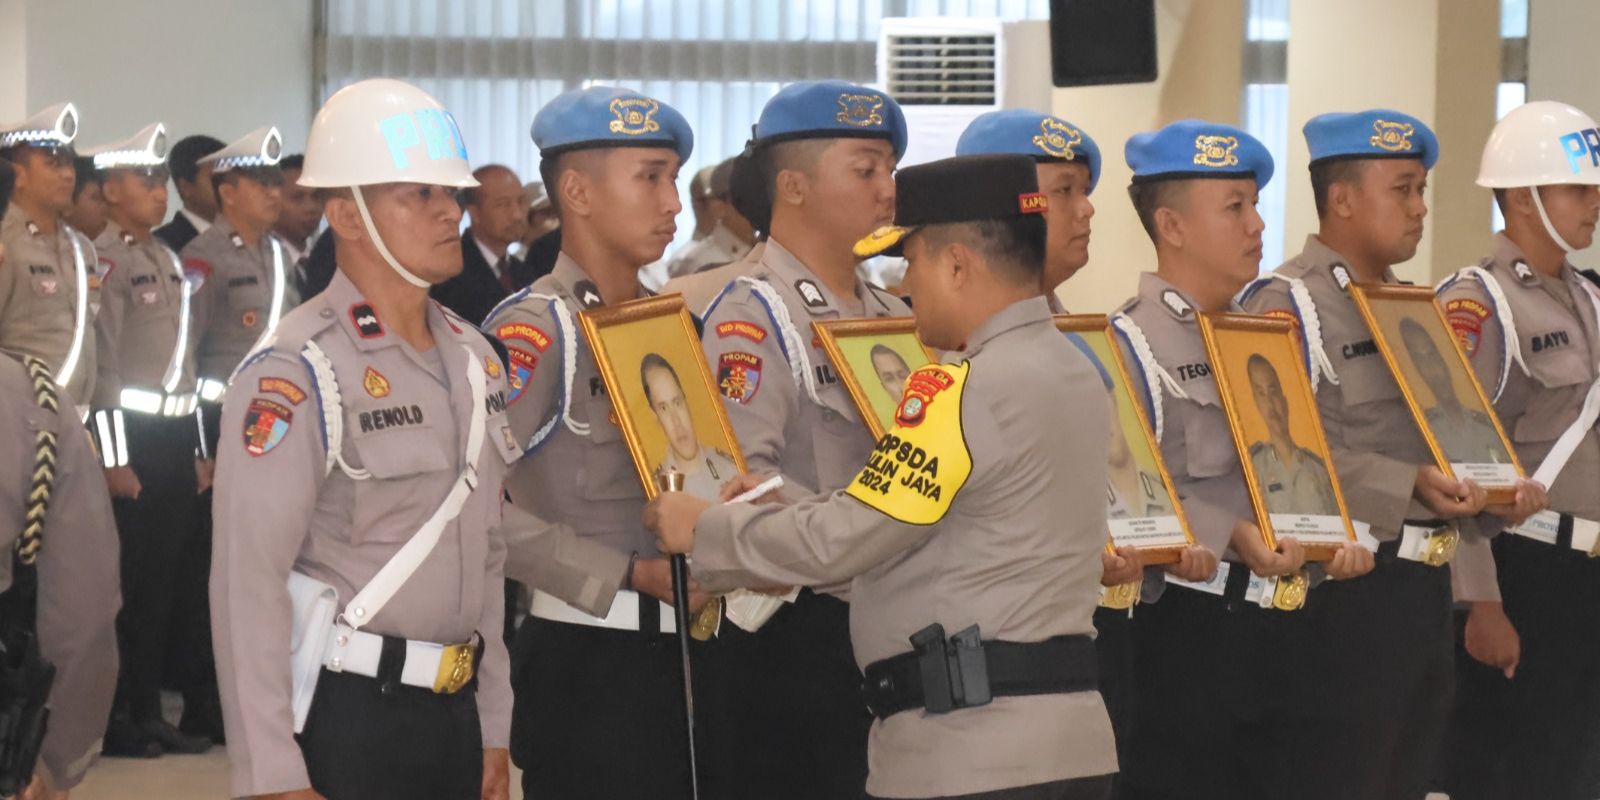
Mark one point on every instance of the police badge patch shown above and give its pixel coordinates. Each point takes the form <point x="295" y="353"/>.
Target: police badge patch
<point x="1466" y="317"/>
<point x="739" y="376"/>
<point x="265" y="424"/>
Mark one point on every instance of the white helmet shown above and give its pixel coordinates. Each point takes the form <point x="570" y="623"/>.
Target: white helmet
<point x="1542" y="143"/>
<point x="384" y="131"/>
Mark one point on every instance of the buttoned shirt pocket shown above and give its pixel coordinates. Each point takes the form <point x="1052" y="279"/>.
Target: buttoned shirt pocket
<point x="608" y="468"/>
<point x="246" y="293"/>
<point x="410" y="471"/>
<point x="1209" y="450"/>
<point x="1565" y="380"/>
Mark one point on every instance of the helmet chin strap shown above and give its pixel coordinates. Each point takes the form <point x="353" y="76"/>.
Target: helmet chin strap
<point x="383" y="249"/>
<point x="1545" y="218"/>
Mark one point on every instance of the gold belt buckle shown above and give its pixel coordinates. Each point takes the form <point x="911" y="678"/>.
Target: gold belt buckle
<point x="455" y="669"/>
<point x="1120" y="597"/>
<point x="1441" y="546"/>
<point x="1290" y="592"/>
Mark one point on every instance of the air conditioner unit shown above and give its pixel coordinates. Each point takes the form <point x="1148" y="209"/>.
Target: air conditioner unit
<point x="944" y="71"/>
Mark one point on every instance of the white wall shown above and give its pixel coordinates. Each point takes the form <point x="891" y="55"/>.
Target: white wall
<point x="223" y="67"/>
<point x="1561" y="64"/>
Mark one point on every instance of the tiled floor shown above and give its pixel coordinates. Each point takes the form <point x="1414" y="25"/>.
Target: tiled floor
<point x="172" y="778"/>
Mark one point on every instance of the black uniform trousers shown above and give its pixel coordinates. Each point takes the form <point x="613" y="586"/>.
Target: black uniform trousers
<point x="194" y="668"/>
<point x="1113" y="647"/>
<point x="1216" y="680"/>
<point x="1096" y="788"/>
<point x="599" y="712"/>
<point x="1382" y="674"/>
<point x="1532" y="736"/>
<point x="789" y="696"/>
<point x="368" y="739"/>
<point x="155" y="532"/>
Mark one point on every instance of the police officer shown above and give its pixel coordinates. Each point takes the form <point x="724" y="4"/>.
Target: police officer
<point x="244" y="283"/>
<point x="50" y="292"/>
<point x="747" y="197"/>
<point x="1525" y="699"/>
<point x="1204" y="650"/>
<point x="370" y="426"/>
<point x="598" y="693"/>
<point x="824" y="152"/>
<point x="957" y="523"/>
<point x="88" y="212"/>
<point x="51" y="478"/>
<point x="1067" y="162"/>
<point x="144" y="396"/>
<point x="1381" y="645"/>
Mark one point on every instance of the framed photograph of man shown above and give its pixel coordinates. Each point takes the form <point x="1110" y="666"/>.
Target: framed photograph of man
<point x="1142" y="507"/>
<point x="874" y="357"/>
<point x="666" y="404"/>
<point x="1437" y="381"/>
<point x="1261" y="377"/>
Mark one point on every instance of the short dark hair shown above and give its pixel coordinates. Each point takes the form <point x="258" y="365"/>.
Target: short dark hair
<point x="883" y="350"/>
<point x="8" y="181"/>
<point x="1500" y="200"/>
<point x="797" y="154"/>
<point x="184" y="159"/>
<point x="1324" y="174"/>
<point x="1258" y="360"/>
<point x="295" y="161"/>
<point x="655" y="361"/>
<point x="84" y="174"/>
<point x="1151" y="196"/>
<point x="1015" y="246"/>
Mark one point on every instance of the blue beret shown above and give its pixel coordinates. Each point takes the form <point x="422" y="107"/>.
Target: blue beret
<point x="1017" y="131"/>
<point x="1193" y="148"/>
<point x="606" y="116"/>
<point x="1376" y="133"/>
<point x="831" y="110"/>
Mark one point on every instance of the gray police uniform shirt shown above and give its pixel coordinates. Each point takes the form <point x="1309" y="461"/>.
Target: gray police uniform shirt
<point x="78" y="572"/>
<point x="700" y="288"/>
<point x="719" y="247"/>
<point x="1147" y="500"/>
<point x="767" y="374"/>
<point x="1374" y="440"/>
<point x="1466" y="436"/>
<point x="142" y="315"/>
<point x="39" y="298"/>
<point x="234" y="301"/>
<point x="1196" y="441"/>
<point x="1558" y="340"/>
<point x="577" y="477"/>
<point x="280" y="507"/>
<point x="1012" y="552"/>
<point x="705" y="477"/>
<point x="1301" y="488"/>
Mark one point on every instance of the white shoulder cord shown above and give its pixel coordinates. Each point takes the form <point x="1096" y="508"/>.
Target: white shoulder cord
<point x="569" y="367"/>
<point x="1155" y="377"/>
<point x="169" y="380"/>
<point x="799" y="361"/>
<point x="332" y="406"/>
<point x="276" y="312"/>
<point x="1311" y="326"/>
<point x="1510" y="346"/>
<point x="81" y="321"/>
<point x="383" y="586"/>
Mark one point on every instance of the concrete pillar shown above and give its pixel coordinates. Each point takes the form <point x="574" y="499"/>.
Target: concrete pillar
<point x="1438" y="60"/>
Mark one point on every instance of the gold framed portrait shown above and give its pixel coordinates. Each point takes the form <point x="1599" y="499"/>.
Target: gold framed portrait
<point x="1440" y="388"/>
<point x="661" y="389"/>
<point x="1142" y="505"/>
<point x="874" y="357"/>
<point x="1261" y="377"/>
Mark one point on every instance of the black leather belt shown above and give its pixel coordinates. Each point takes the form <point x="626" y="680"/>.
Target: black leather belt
<point x="964" y="671"/>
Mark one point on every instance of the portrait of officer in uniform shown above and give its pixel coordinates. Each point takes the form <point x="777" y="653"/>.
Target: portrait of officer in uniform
<point x="704" y="467"/>
<point x="1464" y="433"/>
<point x="1293" y="479"/>
<point x="874" y="359"/>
